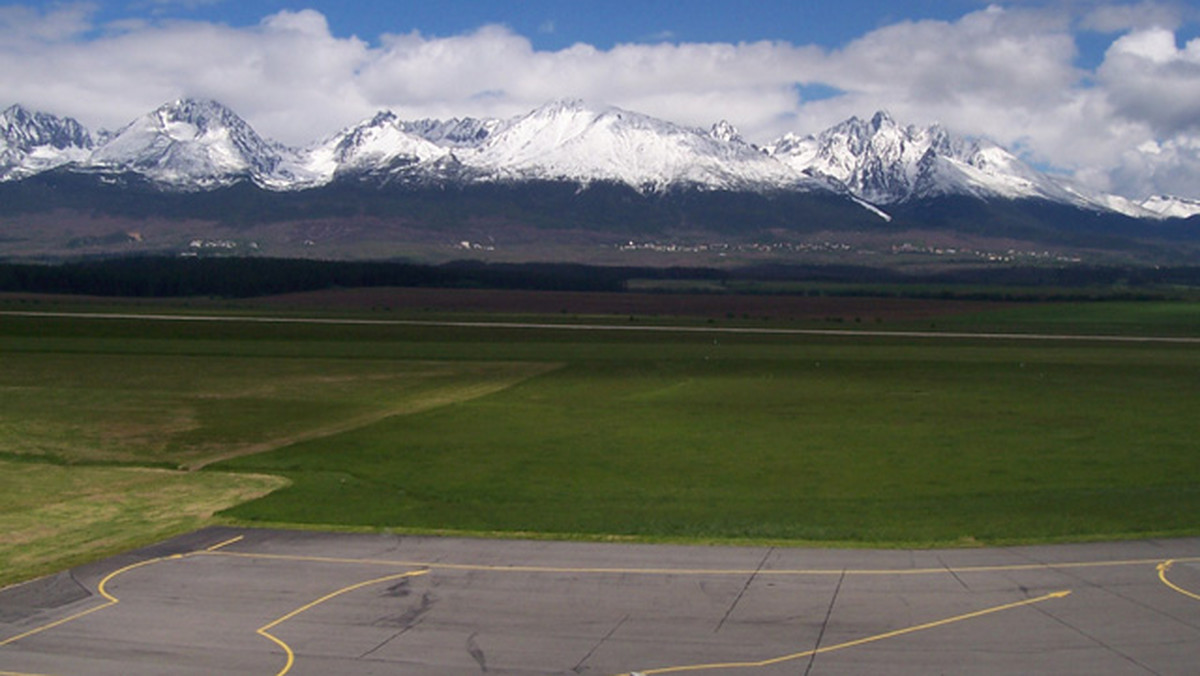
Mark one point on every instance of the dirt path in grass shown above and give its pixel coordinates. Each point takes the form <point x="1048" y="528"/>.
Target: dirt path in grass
<point x="442" y="396"/>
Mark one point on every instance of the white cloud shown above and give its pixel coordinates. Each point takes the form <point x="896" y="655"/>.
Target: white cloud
<point x="496" y="72"/>
<point x="1170" y="167"/>
<point x="1123" y="17"/>
<point x="994" y="72"/>
<point x="288" y="76"/>
<point x="1151" y="80"/>
<point x="21" y="25"/>
<point x="1009" y="74"/>
<point x="307" y="22"/>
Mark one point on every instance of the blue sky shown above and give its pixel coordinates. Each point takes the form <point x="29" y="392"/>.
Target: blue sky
<point x="554" y="24"/>
<point x="557" y="24"/>
<point x="1105" y="90"/>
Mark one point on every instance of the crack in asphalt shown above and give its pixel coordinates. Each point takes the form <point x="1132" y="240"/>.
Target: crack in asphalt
<point x="578" y="668"/>
<point x="409" y="619"/>
<point x="746" y="586"/>
<point x="952" y="572"/>
<point x="1074" y="575"/>
<point x="1098" y="641"/>
<point x="824" y="623"/>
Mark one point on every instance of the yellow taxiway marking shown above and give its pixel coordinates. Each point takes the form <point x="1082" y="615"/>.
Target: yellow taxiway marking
<point x="224" y="543"/>
<point x="849" y="644"/>
<point x="435" y="565"/>
<point x="109" y="599"/>
<point x="218" y="549"/>
<point x="1162" y="575"/>
<point x="291" y="656"/>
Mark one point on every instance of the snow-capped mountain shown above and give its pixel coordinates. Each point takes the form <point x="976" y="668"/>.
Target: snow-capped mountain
<point x="725" y="132"/>
<point x="1166" y="206"/>
<point x="32" y="142"/>
<point x="467" y="132"/>
<point x="883" y="163"/>
<point x="190" y="144"/>
<point x="570" y="140"/>
<point x="377" y="145"/>
<point x="196" y="145"/>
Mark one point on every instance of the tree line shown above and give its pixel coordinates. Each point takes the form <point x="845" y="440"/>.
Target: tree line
<point x="245" y="277"/>
<point x="158" y="277"/>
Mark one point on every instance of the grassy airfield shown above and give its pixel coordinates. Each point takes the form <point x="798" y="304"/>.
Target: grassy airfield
<point x="116" y="432"/>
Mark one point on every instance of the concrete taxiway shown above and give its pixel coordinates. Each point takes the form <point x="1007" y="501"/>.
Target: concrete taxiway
<point x="241" y="601"/>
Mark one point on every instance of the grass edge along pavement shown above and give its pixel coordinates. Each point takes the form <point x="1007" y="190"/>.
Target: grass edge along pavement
<point x="172" y="341"/>
<point x="73" y="515"/>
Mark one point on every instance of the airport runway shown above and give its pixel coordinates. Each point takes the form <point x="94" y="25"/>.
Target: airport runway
<point x="238" y="601"/>
<point x="613" y="328"/>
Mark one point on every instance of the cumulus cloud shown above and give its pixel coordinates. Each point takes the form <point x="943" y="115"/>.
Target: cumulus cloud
<point x="1150" y="79"/>
<point x="992" y="72"/>
<point x="493" y="71"/>
<point x="1153" y="168"/>
<point x="288" y="75"/>
<point x="1009" y="74"/>
<point x="1121" y="18"/>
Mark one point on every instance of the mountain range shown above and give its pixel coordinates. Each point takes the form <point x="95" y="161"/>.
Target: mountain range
<point x="861" y="169"/>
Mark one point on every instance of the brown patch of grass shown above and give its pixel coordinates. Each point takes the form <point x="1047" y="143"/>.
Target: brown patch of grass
<point x="55" y="517"/>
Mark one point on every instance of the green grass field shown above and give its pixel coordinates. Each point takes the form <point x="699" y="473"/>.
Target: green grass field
<point x="695" y="436"/>
<point x="795" y="440"/>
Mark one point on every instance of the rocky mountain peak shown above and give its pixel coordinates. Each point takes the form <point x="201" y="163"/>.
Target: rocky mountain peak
<point x="725" y="132"/>
<point x="25" y="130"/>
<point x="197" y="144"/>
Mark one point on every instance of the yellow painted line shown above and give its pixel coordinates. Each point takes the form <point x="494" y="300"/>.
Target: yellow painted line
<point x="291" y="656"/>
<point x="17" y="673"/>
<point x="849" y="644"/>
<point x="435" y="565"/>
<point x="225" y="543"/>
<point x="1162" y="575"/>
<point x="110" y="600"/>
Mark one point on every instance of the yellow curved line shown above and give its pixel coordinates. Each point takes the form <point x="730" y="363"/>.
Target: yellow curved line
<point x="848" y="644"/>
<point x="1162" y="575"/>
<point x="291" y="656"/>
<point x="287" y="651"/>
<point x="110" y="600"/>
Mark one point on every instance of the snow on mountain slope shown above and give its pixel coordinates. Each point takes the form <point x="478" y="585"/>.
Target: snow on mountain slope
<point x="569" y="140"/>
<point x="874" y="158"/>
<point x="1171" y="207"/>
<point x="198" y="145"/>
<point x="884" y="163"/>
<point x="466" y="132"/>
<point x="377" y="144"/>
<point x="190" y="144"/>
<point x="32" y="142"/>
<point x="1156" y="207"/>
